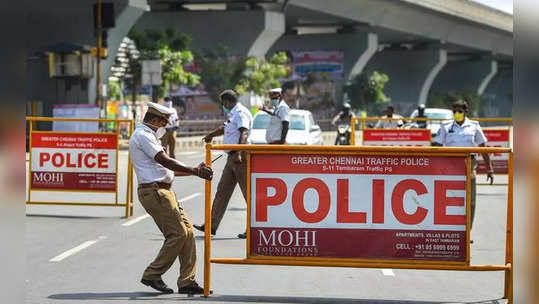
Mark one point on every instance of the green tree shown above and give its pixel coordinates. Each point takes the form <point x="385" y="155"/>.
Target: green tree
<point x="260" y="75"/>
<point x="219" y="70"/>
<point x="172" y="49"/>
<point x="367" y="90"/>
<point x="113" y="90"/>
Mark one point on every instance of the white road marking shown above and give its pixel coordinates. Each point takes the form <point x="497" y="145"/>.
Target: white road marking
<point x="136" y="220"/>
<point x="188" y="153"/>
<point x="190" y="197"/>
<point x="388" y="272"/>
<point x="72" y="251"/>
<point x="145" y="216"/>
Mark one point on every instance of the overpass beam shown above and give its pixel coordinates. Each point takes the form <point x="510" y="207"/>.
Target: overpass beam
<point x="465" y="75"/>
<point x="411" y="74"/>
<point x="209" y="29"/>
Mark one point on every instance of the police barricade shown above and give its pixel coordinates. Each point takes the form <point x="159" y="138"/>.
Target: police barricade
<point x="69" y="161"/>
<point x="498" y="132"/>
<point x="487" y="123"/>
<point x="352" y="207"/>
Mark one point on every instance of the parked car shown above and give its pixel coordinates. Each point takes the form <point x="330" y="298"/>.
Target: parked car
<point x="302" y="129"/>
<point x="443" y="115"/>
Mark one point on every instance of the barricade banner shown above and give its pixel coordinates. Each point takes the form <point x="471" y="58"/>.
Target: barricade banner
<point x="360" y="206"/>
<point x="500" y="161"/>
<point x="396" y="137"/>
<point x="74" y="161"/>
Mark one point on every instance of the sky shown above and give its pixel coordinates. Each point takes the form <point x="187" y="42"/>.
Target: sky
<point x="503" y="5"/>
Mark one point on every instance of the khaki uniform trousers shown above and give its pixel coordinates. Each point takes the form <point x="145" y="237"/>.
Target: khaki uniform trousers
<point x="233" y="173"/>
<point x="179" y="243"/>
<point x="169" y="142"/>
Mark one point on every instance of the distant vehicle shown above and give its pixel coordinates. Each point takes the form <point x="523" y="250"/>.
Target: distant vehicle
<point x="302" y="129"/>
<point x="343" y="135"/>
<point x="443" y="115"/>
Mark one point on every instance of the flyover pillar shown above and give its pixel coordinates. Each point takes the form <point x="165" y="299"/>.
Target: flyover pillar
<point x="72" y="24"/>
<point x="465" y="75"/>
<point x="411" y="74"/>
<point x="357" y="47"/>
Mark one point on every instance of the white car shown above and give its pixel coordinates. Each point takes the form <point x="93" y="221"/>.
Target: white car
<point x="435" y="113"/>
<point x="301" y="131"/>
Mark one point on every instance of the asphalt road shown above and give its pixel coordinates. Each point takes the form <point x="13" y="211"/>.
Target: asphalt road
<point x="90" y="255"/>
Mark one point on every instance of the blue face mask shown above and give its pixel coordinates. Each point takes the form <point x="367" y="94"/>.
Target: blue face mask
<point x="227" y="111"/>
<point x="275" y="102"/>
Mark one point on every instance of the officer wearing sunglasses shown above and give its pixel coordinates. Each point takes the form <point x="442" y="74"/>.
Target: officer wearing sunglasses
<point x="464" y="132"/>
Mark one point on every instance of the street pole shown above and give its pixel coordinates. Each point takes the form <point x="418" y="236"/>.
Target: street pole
<point x="99" y="44"/>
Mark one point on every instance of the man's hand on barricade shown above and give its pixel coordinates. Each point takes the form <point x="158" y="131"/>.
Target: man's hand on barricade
<point x="207" y="138"/>
<point x="490" y="176"/>
<point x="205" y="172"/>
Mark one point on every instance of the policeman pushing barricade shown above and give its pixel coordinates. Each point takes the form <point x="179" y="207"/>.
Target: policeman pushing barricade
<point x="155" y="172"/>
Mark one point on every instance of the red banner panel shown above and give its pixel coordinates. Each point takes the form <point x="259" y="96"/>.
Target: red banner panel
<point x="359" y="206"/>
<point x="73" y="161"/>
<point x="396" y="137"/>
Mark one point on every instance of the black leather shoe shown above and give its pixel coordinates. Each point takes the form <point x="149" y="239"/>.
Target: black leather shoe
<point x="191" y="289"/>
<point x="157" y="285"/>
<point x="201" y="228"/>
<point x="242" y="235"/>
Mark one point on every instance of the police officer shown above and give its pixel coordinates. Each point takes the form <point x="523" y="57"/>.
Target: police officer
<point x="155" y="172"/>
<point x="422" y="124"/>
<point x="389" y="112"/>
<point x="236" y="131"/>
<point x="279" y="117"/>
<point x="463" y="132"/>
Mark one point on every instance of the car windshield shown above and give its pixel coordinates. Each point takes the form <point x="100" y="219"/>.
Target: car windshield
<point x="261" y="121"/>
<point x="297" y="122"/>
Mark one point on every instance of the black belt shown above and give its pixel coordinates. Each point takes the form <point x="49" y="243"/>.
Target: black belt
<point x="159" y="185"/>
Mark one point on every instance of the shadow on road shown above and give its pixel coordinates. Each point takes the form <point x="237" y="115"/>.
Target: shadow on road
<point x="74" y="216"/>
<point x="105" y="296"/>
<point x="145" y="296"/>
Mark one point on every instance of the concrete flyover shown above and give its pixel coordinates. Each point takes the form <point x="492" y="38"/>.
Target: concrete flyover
<point x="418" y="43"/>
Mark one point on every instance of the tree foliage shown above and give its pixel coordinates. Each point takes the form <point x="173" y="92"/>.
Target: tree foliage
<point x="219" y="70"/>
<point x="367" y="90"/>
<point x="171" y="48"/>
<point x="260" y="75"/>
<point x="114" y="91"/>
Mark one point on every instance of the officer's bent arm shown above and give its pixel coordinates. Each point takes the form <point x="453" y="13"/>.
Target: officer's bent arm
<point x="219" y="131"/>
<point x="170" y="163"/>
<point x="284" y="131"/>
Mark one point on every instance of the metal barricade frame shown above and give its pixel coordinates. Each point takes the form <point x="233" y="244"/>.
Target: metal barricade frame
<point x="128" y="205"/>
<point x="359" y="263"/>
<point x="355" y="120"/>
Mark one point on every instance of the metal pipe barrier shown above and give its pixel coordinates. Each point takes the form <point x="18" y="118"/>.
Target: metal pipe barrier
<point x="362" y="122"/>
<point x="49" y="140"/>
<point x="452" y="154"/>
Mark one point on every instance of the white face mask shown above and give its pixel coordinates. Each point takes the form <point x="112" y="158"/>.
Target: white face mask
<point x="160" y="130"/>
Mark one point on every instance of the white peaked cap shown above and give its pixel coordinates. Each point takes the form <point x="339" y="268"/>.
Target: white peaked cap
<point x="158" y="109"/>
